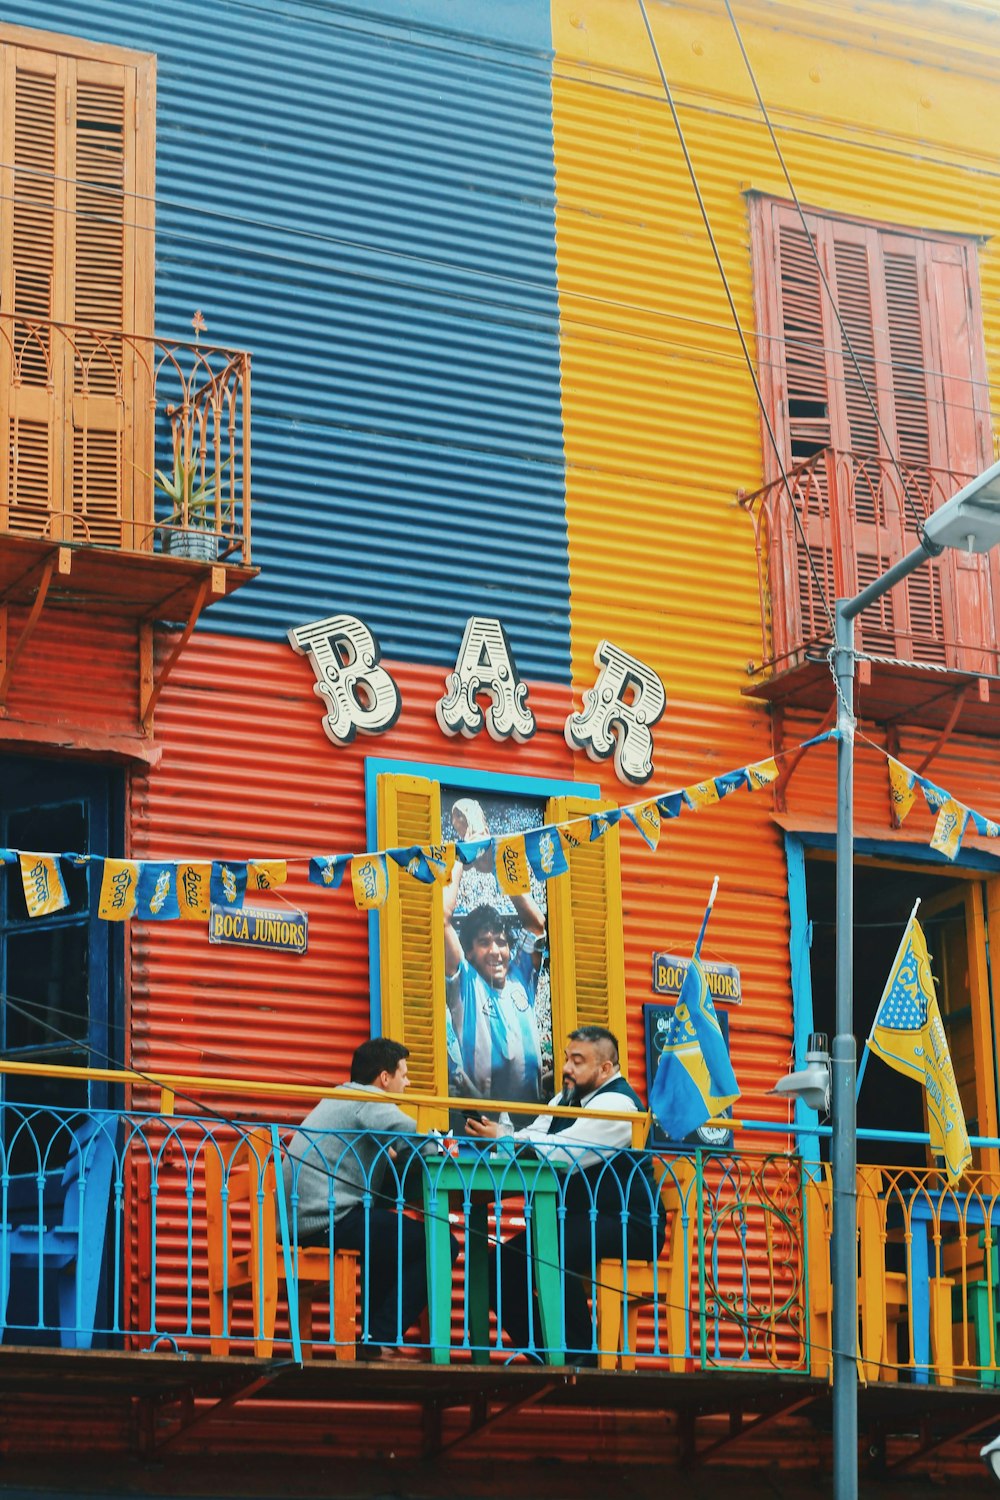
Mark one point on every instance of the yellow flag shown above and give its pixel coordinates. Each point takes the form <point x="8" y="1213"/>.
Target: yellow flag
<point x="949" y="828"/>
<point x="370" y="879"/>
<point x="193" y="883"/>
<point x="575" y="833"/>
<point x="440" y="860"/>
<point x="118" y="883"/>
<point x="44" y="891"/>
<point x="513" y="869"/>
<point x="646" y="818"/>
<point x="702" y="794"/>
<point x="764" y="773"/>
<point x="265" y="874"/>
<point x="901" y="793"/>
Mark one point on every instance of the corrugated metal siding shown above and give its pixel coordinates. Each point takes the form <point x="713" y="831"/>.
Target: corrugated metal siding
<point x="368" y="206"/>
<point x="78" y="672"/>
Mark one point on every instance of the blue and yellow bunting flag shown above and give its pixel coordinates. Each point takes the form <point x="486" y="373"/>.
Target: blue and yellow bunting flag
<point x="574" y="833"/>
<point x="934" y="796"/>
<point x="370" y="881"/>
<point x="702" y="794"/>
<point x="601" y="822"/>
<point x="901" y="793"/>
<point x="985" y="826"/>
<point x="228" y="883"/>
<point x="818" y="739"/>
<point x="545" y="852"/>
<point x="761" y="774"/>
<point x="949" y="828"/>
<point x="467" y="851"/>
<point x="44" y="888"/>
<point x="694" y="1080"/>
<point x="156" y="893"/>
<point x="8" y="856"/>
<point x="908" y="1034"/>
<point x="512" y="867"/>
<point x="328" y="869"/>
<point x="266" y="874"/>
<point x="645" y="818"/>
<point x="119" y="879"/>
<point x="670" y="805"/>
<point x="730" y="781"/>
<point x="412" y="860"/>
<point x="440" y="860"/>
<point x="193" y="882"/>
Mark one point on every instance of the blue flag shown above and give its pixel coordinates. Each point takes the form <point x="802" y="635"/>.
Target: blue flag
<point x="695" y="1079"/>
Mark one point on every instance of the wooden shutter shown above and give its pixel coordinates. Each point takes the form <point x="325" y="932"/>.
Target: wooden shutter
<point x="411" y="933"/>
<point x="79" y="180"/>
<point x="585" y="932"/>
<point x="910" y="345"/>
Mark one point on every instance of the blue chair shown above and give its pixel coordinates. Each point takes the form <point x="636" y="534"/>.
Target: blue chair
<point x="55" y="1221"/>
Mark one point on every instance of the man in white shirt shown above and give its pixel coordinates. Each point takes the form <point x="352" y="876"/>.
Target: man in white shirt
<point x="604" y="1173"/>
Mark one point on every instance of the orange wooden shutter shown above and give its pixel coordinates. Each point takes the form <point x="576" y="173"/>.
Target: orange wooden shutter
<point x="73" y="252"/>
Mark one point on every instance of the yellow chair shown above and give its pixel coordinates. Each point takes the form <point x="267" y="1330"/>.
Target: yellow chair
<point x="248" y="1176"/>
<point x="635" y="1283"/>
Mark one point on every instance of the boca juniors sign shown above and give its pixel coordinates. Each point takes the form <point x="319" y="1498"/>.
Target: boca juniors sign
<point x="723" y="979"/>
<point x="259" y="927"/>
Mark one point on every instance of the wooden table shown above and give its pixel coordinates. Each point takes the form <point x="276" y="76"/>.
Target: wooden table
<point x="481" y="1180"/>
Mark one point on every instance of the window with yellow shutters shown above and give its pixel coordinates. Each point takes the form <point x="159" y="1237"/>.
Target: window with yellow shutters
<point x="76" y="257"/>
<point x="584" y="931"/>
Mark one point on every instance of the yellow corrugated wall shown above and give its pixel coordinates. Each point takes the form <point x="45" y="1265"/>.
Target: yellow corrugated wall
<point x="886" y="113"/>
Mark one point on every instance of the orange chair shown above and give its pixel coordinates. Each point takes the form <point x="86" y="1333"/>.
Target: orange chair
<point x="635" y="1283"/>
<point x="249" y="1176"/>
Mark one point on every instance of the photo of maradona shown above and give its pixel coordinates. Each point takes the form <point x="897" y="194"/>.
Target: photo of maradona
<point x="498" y="984"/>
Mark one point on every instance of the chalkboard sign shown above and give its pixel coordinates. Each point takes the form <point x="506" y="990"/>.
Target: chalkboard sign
<point x="715" y="1136"/>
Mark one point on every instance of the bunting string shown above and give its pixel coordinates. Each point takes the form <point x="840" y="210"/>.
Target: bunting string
<point x="160" y="890"/>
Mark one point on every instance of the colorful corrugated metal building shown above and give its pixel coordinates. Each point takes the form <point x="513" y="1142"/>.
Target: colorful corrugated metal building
<point x="616" y="321"/>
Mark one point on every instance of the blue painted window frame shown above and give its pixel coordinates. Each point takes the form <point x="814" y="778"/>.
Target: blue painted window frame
<point x="492" y="782"/>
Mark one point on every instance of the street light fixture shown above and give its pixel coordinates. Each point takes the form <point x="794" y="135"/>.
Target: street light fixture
<point x="969" y="521"/>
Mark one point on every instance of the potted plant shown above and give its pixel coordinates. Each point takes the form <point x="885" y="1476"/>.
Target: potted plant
<point x="189" y="531"/>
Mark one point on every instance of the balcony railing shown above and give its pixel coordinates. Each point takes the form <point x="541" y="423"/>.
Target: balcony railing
<point x="192" y="1225"/>
<point x="837" y="524"/>
<point x="119" y="441"/>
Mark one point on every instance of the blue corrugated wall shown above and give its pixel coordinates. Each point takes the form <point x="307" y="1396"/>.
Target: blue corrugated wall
<point x="363" y="197"/>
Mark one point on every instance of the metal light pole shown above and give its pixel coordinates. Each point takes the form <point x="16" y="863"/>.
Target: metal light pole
<point x="969" y="521"/>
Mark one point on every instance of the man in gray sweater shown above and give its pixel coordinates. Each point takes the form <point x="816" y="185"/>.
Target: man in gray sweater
<point x="347" y="1149"/>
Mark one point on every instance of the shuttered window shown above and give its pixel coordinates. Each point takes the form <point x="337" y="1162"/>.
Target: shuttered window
<point x="584" y="932"/>
<point x="76" y="251"/>
<point x="885" y="406"/>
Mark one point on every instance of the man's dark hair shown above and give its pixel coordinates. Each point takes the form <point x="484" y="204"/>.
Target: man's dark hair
<point x="596" y="1035"/>
<point x="481" y="919"/>
<point x="380" y="1055"/>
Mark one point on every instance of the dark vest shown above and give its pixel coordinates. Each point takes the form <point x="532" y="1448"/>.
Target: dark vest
<point x="621" y="1178"/>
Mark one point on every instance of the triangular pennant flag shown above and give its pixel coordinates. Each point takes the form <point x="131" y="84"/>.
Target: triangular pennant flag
<point x="8" y="856"/>
<point x="545" y="852"/>
<point x="193" y="881"/>
<point x="265" y="874"/>
<point x="702" y="794"/>
<point x="44" y="890"/>
<point x="574" y="833"/>
<point x="467" y="851"/>
<point x="949" y="828"/>
<point x="730" y="781"/>
<point x="513" y="870"/>
<point x="156" y="894"/>
<point x="901" y="793"/>
<point x="985" y="826"/>
<point x="762" y="773"/>
<point x="440" y="860"/>
<point x="119" y="878"/>
<point x="413" y="862"/>
<point x="228" y="883"/>
<point x="601" y="822"/>
<point x="934" y="796"/>
<point x="646" y="819"/>
<point x="817" y="739"/>
<point x="370" y="879"/>
<point x="670" y="804"/>
<point x="328" y="869"/>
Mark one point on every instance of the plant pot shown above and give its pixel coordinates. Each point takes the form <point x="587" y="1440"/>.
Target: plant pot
<point x="194" y="544"/>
